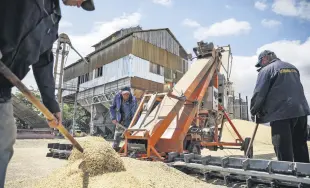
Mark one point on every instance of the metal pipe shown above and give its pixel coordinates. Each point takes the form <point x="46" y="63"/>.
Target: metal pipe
<point x="240" y="105"/>
<point x="233" y="104"/>
<point x="78" y="53"/>
<point x="252" y="139"/>
<point x="56" y="61"/>
<point x="74" y="113"/>
<point x="247" y="108"/>
<point x="61" y="73"/>
<point x="91" y="120"/>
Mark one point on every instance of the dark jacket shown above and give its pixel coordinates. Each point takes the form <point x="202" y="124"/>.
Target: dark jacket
<point x="278" y="93"/>
<point x="27" y="33"/>
<point x="116" y="110"/>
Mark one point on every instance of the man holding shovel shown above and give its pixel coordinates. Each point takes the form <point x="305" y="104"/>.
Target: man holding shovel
<point x="27" y="33"/>
<point x="279" y="99"/>
<point x="122" y="111"/>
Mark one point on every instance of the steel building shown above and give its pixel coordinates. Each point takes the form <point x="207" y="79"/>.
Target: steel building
<point x="144" y="60"/>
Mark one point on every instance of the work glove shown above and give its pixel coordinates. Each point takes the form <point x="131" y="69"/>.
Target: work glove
<point x="253" y="118"/>
<point x="256" y="117"/>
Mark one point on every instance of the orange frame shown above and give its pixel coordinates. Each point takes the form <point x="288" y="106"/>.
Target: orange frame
<point x="195" y="92"/>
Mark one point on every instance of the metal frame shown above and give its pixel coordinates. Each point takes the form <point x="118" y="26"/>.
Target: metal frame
<point x="238" y="142"/>
<point x="194" y="83"/>
<point x="100" y="99"/>
<point x="251" y="171"/>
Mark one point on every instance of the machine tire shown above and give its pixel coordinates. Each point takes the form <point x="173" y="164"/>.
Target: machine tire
<point x="246" y="144"/>
<point x="194" y="147"/>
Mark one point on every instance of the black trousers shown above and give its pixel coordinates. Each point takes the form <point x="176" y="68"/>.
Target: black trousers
<point x="289" y="138"/>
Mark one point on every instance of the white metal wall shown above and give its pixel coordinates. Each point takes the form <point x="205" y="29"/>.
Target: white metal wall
<point x="70" y="87"/>
<point x="128" y="66"/>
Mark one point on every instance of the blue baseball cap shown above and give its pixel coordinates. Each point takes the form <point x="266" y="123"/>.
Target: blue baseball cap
<point x="261" y="56"/>
<point x="125" y="90"/>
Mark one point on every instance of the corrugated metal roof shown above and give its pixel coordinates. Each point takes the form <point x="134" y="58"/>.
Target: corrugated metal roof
<point x="125" y="36"/>
<point x="115" y="33"/>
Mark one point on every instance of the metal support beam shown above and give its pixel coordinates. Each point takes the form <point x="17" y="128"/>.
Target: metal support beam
<point x="240" y="104"/>
<point x="247" y="108"/>
<point x="74" y="114"/>
<point x="91" y="119"/>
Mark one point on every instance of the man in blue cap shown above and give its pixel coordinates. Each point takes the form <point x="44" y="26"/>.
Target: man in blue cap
<point x="279" y="99"/>
<point x="122" y="111"/>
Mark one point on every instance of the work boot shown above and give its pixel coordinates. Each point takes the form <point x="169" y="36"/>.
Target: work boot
<point x="117" y="149"/>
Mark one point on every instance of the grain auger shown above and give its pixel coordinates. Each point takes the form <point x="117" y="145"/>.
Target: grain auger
<point x="174" y="127"/>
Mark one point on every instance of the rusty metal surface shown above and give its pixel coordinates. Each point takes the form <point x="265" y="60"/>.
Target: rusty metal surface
<point x="161" y="39"/>
<point x="143" y="84"/>
<point x="177" y="129"/>
<point x="116" y="35"/>
<point x="156" y="55"/>
<point x="162" y="116"/>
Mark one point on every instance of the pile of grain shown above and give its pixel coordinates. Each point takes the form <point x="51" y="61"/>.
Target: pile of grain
<point x="100" y="166"/>
<point x="245" y="129"/>
<point x="263" y="148"/>
<point x="98" y="157"/>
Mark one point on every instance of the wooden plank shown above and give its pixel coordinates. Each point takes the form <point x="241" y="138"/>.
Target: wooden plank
<point x="145" y="112"/>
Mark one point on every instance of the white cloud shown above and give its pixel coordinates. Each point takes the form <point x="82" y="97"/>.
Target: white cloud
<point x="163" y="2"/>
<point x="100" y="30"/>
<point x="260" y="5"/>
<point x="270" y="23"/>
<point x="64" y="24"/>
<point x="224" y="28"/>
<point x="293" y="8"/>
<point x="190" y="23"/>
<point x="228" y="7"/>
<point x="244" y="73"/>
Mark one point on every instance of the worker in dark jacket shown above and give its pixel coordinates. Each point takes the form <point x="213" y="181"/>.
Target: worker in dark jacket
<point x="122" y="111"/>
<point x="28" y="29"/>
<point x="279" y="99"/>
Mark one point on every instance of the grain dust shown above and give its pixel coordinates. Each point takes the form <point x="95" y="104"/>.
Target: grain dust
<point x="100" y="166"/>
<point x="98" y="157"/>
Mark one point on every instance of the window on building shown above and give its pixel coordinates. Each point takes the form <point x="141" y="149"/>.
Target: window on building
<point x="168" y="73"/>
<point x="86" y="77"/>
<point x="98" y="72"/>
<point x="156" y="69"/>
<point x="175" y="75"/>
<point x="83" y="78"/>
<point x="184" y="66"/>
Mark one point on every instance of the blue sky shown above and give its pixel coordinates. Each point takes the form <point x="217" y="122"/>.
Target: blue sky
<point x="249" y="26"/>
<point x="205" y="12"/>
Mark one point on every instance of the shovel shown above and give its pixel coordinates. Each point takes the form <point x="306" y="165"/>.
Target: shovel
<point x="252" y="138"/>
<point x="8" y="74"/>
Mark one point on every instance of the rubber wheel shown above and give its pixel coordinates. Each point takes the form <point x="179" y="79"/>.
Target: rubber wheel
<point x="194" y="148"/>
<point x="246" y="144"/>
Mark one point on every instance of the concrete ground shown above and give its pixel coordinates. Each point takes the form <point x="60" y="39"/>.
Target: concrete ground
<point x="29" y="162"/>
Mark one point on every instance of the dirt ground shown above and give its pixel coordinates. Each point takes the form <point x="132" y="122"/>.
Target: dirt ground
<point x="29" y="161"/>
